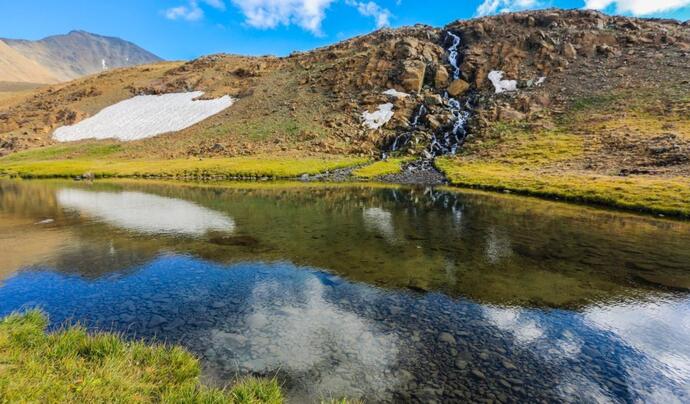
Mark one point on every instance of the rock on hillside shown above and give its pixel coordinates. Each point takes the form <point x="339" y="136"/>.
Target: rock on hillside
<point x="79" y="53"/>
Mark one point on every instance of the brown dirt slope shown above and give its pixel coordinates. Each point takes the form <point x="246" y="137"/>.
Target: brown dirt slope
<point x="15" y="67"/>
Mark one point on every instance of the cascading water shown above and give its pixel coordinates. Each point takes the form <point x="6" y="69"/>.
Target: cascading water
<point x="403" y="139"/>
<point x="449" y="140"/>
<point x="453" y="55"/>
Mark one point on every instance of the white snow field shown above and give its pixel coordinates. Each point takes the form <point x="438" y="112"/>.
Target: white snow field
<point x="146" y="213"/>
<point x="378" y="118"/>
<point x="501" y="86"/>
<point x="144" y="116"/>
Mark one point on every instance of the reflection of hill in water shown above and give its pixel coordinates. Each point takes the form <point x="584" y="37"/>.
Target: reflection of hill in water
<point x="496" y="249"/>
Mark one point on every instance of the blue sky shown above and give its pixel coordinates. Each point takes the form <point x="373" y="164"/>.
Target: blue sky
<point x="184" y="29"/>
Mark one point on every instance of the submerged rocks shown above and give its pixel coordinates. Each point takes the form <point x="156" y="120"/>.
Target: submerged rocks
<point x="447" y="337"/>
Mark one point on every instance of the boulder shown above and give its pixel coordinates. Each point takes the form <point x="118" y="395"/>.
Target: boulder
<point x="412" y="77"/>
<point x="508" y="114"/>
<point x="433" y="121"/>
<point x="569" y="51"/>
<point x="433" y="99"/>
<point x="441" y="77"/>
<point x="458" y="87"/>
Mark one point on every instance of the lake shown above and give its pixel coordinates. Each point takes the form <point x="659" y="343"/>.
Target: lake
<point x="389" y="294"/>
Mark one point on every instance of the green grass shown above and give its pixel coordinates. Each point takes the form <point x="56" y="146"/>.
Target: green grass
<point x="541" y="163"/>
<point x="74" y="366"/>
<point x="277" y="167"/>
<point x="381" y="168"/>
<point x="66" y="151"/>
<point x="669" y="196"/>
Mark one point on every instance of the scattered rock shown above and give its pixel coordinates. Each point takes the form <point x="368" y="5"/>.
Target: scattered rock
<point x="157" y="320"/>
<point x="447" y="338"/>
<point x="433" y="99"/>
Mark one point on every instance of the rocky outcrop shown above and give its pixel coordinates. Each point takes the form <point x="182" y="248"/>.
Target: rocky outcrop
<point x="458" y="87"/>
<point x="412" y="75"/>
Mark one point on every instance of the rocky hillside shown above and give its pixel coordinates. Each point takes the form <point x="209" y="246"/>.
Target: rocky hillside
<point x="66" y="57"/>
<point x="314" y="101"/>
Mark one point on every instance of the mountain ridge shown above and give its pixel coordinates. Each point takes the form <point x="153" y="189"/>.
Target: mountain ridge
<point x="75" y="54"/>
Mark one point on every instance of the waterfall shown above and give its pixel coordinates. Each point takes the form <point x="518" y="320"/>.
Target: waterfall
<point x="453" y="55"/>
<point x="447" y="140"/>
<point x="403" y="139"/>
<point x="450" y="140"/>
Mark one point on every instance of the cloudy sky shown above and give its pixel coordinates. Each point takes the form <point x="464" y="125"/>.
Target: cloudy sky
<point x="183" y="29"/>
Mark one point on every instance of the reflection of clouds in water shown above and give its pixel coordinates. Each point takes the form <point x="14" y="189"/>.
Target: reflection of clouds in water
<point x="497" y="245"/>
<point x="660" y="331"/>
<point x="294" y="328"/>
<point x="380" y="221"/>
<point x="576" y="388"/>
<point x="658" y="370"/>
<point x="524" y="329"/>
<point x="146" y="213"/>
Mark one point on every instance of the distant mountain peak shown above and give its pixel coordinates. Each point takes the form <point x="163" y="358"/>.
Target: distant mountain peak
<point x="75" y="54"/>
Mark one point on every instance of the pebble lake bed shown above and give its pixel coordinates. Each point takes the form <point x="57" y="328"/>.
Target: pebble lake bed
<point x="379" y="293"/>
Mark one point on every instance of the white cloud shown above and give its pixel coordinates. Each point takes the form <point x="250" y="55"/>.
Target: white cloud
<point x="307" y="14"/>
<point x="489" y="7"/>
<point x="192" y="11"/>
<point x="267" y="14"/>
<point x="371" y="9"/>
<point x="637" y="7"/>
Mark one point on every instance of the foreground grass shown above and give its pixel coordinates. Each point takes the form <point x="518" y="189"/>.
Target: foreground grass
<point x="381" y="168"/>
<point x="73" y="366"/>
<point x="258" y="166"/>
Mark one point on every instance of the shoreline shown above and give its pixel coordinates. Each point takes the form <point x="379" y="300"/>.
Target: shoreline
<point x="437" y="176"/>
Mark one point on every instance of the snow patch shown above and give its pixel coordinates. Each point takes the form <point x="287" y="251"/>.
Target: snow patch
<point x="501" y="86"/>
<point x="144" y="116"/>
<point x="540" y="81"/>
<point x="395" y="93"/>
<point x="378" y="118"/>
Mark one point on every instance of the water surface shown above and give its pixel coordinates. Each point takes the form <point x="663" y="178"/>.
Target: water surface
<point x="385" y="294"/>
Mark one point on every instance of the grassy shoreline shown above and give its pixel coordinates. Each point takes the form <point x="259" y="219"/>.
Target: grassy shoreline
<point x="652" y="195"/>
<point x="72" y="365"/>
<point x="237" y="167"/>
<point x="665" y="196"/>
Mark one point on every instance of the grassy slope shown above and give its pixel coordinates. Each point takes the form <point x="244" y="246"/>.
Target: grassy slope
<point x="658" y="195"/>
<point x="553" y="163"/>
<point x="73" y="366"/>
